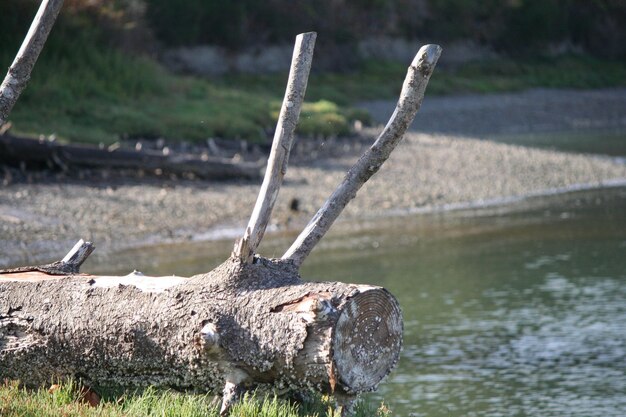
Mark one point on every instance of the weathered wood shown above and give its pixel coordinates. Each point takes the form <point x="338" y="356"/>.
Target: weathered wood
<point x="246" y="247"/>
<point x="370" y="162"/>
<point x="235" y="327"/>
<point x="19" y="72"/>
<point x="68" y="156"/>
<point x="70" y="264"/>
<point x="78" y="254"/>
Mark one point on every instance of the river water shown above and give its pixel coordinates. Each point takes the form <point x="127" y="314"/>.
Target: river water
<point x="512" y="310"/>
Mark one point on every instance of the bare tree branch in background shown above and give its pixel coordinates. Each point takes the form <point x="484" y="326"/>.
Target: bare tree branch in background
<point x="19" y="72"/>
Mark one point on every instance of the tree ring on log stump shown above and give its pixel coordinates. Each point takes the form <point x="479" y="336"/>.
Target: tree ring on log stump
<point x="367" y="339"/>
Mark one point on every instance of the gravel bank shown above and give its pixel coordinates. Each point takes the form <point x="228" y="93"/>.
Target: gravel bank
<point x="536" y="111"/>
<point x="39" y="222"/>
<point x="42" y="221"/>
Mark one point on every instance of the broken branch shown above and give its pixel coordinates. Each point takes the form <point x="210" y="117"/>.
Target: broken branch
<point x="246" y="247"/>
<point x="19" y="72"/>
<point x="370" y="162"/>
<point x="78" y="254"/>
<point x="70" y="264"/>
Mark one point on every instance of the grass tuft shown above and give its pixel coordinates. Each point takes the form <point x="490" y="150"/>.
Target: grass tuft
<point x="65" y="401"/>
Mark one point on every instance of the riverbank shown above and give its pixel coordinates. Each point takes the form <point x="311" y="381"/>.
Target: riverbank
<point x="40" y="222"/>
<point x="537" y="111"/>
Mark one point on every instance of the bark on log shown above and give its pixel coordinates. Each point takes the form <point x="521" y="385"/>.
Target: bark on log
<point x="19" y="72"/>
<point x="46" y="153"/>
<point x="239" y="325"/>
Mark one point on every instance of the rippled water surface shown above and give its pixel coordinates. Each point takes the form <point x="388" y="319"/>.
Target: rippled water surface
<point x="519" y="313"/>
<point x="509" y="311"/>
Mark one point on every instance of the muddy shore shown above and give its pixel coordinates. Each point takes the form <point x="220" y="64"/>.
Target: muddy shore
<point x="40" y="222"/>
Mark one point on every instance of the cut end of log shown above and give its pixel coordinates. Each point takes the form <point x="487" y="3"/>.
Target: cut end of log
<point x="367" y="340"/>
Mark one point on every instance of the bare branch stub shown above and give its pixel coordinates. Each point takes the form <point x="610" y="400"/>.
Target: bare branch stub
<point x="370" y="162"/>
<point x="19" y="72"/>
<point x="246" y="247"/>
<point x="70" y="264"/>
<point x="78" y="254"/>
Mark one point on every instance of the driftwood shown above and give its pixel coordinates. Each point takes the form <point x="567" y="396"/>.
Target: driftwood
<point x="410" y="101"/>
<point x="250" y="321"/>
<point x="17" y="150"/>
<point x="70" y="264"/>
<point x="281" y="146"/>
<point x="238" y="326"/>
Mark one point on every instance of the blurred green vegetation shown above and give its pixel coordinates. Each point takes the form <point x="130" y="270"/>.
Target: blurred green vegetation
<point x="383" y="80"/>
<point x="89" y="86"/>
<point x="84" y="89"/>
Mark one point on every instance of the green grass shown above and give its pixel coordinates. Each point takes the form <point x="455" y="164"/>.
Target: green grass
<point x="576" y="72"/>
<point x="383" y="80"/>
<point x="84" y="90"/>
<point x="65" y="402"/>
<point x="111" y="96"/>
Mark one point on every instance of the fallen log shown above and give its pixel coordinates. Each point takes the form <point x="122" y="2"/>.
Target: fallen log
<point x="250" y="321"/>
<point x="38" y="153"/>
<point x="237" y="326"/>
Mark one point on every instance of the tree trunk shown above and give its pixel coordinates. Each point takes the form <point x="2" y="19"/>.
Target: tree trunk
<point x="239" y="325"/>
